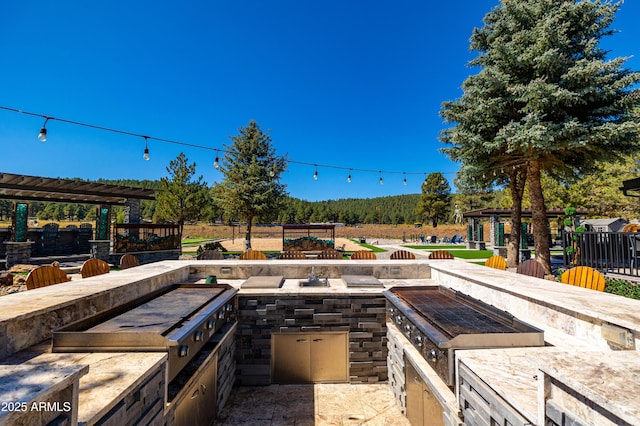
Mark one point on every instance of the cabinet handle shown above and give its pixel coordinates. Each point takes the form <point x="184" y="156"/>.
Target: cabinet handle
<point x="318" y="340"/>
<point x="195" y="394"/>
<point x="301" y="340"/>
<point x="204" y="389"/>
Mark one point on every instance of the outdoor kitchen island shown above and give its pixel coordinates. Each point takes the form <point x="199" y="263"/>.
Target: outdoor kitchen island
<point x="578" y="325"/>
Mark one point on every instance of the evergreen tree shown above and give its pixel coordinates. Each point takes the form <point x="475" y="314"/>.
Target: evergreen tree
<point x="546" y="99"/>
<point x="251" y="186"/>
<point x="181" y="198"/>
<point x="435" y="202"/>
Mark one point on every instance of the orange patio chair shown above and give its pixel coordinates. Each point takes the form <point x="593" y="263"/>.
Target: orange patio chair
<point x="496" y="262"/>
<point x="253" y="255"/>
<point x="585" y="277"/>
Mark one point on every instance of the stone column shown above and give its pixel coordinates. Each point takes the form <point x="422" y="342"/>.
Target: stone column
<point x="100" y="249"/>
<point x="132" y="214"/>
<point x="493" y="236"/>
<point x="18" y="252"/>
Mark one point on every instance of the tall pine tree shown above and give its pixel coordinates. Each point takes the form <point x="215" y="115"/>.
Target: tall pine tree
<point x="546" y="99"/>
<point x="251" y="186"/>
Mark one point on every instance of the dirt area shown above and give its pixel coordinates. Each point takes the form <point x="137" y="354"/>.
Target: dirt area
<point x="275" y="244"/>
<point x="370" y="232"/>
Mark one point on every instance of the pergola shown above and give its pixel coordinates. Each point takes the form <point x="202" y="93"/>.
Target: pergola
<point x="37" y="188"/>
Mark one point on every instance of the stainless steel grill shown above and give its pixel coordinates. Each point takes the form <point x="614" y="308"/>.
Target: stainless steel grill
<point x="178" y="319"/>
<point x="438" y="321"/>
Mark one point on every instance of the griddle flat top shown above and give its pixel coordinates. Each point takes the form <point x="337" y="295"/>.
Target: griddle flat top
<point x="264" y="282"/>
<point x="450" y="314"/>
<point x="162" y="313"/>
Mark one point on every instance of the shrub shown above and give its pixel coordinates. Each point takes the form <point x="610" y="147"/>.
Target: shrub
<point x="211" y="246"/>
<point x="622" y="288"/>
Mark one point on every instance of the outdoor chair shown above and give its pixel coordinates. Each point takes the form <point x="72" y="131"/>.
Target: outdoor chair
<point x="532" y="268"/>
<point x="402" y="254"/>
<point x="433" y="239"/>
<point x="50" y="234"/>
<point x="45" y="275"/>
<point x="330" y="254"/>
<point x="129" y="261"/>
<point x="585" y="277"/>
<point x="440" y="254"/>
<point x="496" y="262"/>
<point x="363" y="255"/>
<point x="210" y="255"/>
<point x="292" y="255"/>
<point x="253" y="255"/>
<point x="93" y="267"/>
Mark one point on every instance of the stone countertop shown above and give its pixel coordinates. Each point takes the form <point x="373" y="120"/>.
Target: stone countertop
<point x="611" y="380"/>
<point x="110" y="376"/>
<point x="28" y="383"/>
<point x="291" y="287"/>
<point x="511" y="373"/>
<point x="488" y="283"/>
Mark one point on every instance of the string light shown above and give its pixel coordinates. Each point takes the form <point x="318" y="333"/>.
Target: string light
<point x="272" y="173"/>
<point x="404" y="181"/>
<point x="146" y="148"/>
<point x="42" y="136"/>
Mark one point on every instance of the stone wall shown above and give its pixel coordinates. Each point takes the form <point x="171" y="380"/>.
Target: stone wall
<point x="362" y="316"/>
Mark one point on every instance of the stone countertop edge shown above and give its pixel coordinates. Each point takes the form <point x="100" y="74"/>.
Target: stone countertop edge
<point x="611" y="379"/>
<point x="27" y="383"/>
<point x="31" y="303"/>
<point x="599" y="306"/>
<point x="110" y="376"/>
<point x="291" y="287"/>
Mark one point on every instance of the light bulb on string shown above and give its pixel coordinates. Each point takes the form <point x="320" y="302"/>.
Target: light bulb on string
<point x="315" y="174"/>
<point x="404" y="181"/>
<point x="216" y="162"/>
<point x="146" y="148"/>
<point x="381" y="181"/>
<point x="42" y="136"/>
<point x="349" y="177"/>
<point x="272" y="173"/>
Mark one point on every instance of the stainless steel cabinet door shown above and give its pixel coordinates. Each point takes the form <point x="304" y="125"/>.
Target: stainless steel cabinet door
<point x="329" y="357"/>
<point x="290" y="358"/>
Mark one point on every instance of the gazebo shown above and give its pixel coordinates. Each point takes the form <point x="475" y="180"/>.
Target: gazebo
<point x="20" y="241"/>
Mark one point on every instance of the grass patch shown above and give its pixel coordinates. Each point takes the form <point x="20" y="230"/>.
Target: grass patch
<point x="471" y="254"/>
<point x="374" y="249"/>
<point x="434" y="247"/>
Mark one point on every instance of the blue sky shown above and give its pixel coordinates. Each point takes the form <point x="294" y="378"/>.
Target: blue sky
<point x="347" y="84"/>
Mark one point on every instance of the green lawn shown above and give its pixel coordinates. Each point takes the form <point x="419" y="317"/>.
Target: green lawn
<point x="471" y="254"/>
<point x="374" y="249"/>
<point x="434" y="247"/>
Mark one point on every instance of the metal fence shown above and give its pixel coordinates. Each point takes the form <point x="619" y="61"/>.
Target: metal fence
<point x="613" y="252"/>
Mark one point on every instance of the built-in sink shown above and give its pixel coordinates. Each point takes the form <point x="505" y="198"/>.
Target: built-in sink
<point x="314" y="280"/>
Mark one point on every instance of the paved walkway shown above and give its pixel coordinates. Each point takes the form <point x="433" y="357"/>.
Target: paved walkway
<point x="319" y="404"/>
